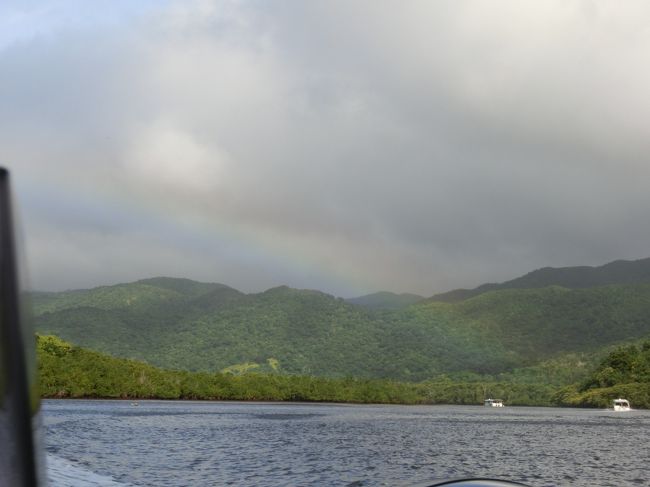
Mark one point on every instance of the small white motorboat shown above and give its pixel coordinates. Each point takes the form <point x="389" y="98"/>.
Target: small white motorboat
<point x="493" y="403"/>
<point x="622" y="405"/>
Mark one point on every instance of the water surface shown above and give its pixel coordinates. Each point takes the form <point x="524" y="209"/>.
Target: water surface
<point x="161" y="443"/>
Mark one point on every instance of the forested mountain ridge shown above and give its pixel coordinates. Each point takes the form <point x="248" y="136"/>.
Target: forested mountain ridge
<point x="142" y="294"/>
<point x="178" y="323"/>
<point x="616" y="272"/>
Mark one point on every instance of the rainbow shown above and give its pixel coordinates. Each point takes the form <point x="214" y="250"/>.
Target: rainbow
<point x="187" y="229"/>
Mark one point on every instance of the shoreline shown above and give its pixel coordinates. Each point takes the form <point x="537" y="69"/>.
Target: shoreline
<point x="331" y="403"/>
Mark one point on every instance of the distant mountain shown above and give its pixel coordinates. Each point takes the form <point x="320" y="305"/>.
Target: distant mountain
<point x="385" y="300"/>
<point x="146" y="294"/>
<point x="181" y="324"/>
<point x="617" y="272"/>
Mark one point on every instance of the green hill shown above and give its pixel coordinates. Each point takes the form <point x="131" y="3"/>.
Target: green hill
<point x="68" y="371"/>
<point x="539" y="323"/>
<point x="144" y="295"/>
<point x="624" y="372"/>
<point x="617" y="272"/>
<point x="180" y="324"/>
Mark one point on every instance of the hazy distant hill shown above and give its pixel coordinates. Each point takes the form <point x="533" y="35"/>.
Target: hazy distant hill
<point x="178" y="323"/>
<point x="146" y="294"/>
<point x="617" y="272"/>
<point x="385" y="300"/>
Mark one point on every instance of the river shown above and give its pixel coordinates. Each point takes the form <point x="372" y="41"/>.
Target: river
<point x="173" y="443"/>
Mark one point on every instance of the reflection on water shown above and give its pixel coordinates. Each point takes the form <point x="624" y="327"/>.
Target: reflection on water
<point x="203" y="443"/>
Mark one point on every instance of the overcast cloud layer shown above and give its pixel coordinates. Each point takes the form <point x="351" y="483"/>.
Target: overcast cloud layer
<point x="346" y="146"/>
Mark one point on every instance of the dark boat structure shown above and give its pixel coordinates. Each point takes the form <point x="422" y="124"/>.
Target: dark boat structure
<point x="20" y="455"/>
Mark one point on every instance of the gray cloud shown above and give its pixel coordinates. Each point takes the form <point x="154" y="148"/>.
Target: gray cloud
<point x="344" y="146"/>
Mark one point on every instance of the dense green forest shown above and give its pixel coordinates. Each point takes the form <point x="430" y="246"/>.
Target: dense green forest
<point x="68" y="371"/>
<point x="625" y="372"/>
<point x="182" y="324"/>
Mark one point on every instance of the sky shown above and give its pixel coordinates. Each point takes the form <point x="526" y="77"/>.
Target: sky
<point x="346" y="146"/>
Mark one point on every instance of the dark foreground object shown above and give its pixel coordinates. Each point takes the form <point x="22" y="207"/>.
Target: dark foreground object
<point x="471" y="483"/>
<point x="18" y="401"/>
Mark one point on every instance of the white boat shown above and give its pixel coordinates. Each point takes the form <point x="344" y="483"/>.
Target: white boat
<point x="493" y="403"/>
<point x="621" y="405"/>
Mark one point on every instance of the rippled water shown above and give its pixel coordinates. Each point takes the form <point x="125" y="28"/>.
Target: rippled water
<point x="210" y="443"/>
